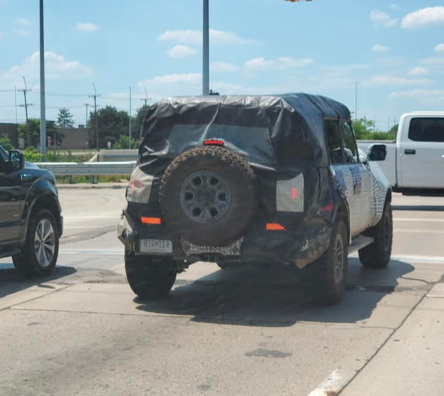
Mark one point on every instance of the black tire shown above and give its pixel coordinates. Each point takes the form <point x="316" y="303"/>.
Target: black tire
<point x="378" y="254"/>
<point x="150" y="277"/>
<point x="322" y="280"/>
<point x="228" y="222"/>
<point x="37" y="258"/>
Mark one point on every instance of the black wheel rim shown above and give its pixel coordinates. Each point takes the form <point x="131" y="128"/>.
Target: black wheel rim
<point x="205" y="197"/>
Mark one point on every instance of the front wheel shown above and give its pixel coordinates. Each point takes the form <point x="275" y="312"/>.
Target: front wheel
<point x="377" y="255"/>
<point x="150" y="277"/>
<point x="39" y="255"/>
<point x="324" y="280"/>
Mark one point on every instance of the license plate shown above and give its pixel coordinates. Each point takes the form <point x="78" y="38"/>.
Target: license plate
<point x="156" y="246"/>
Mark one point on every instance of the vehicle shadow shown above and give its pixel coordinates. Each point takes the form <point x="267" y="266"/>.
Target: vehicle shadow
<point x="250" y="297"/>
<point x="12" y="282"/>
<point x="419" y="208"/>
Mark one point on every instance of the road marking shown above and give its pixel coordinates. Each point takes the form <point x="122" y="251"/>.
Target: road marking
<point x="418" y="231"/>
<point x="333" y="384"/>
<point x="424" y="220"/>
<point x="81" y="227"/>
<point x="104" y="252"/>
<point x="116" y="217"/>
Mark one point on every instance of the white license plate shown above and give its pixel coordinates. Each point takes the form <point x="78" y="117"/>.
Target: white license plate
<point x="156" y="246"/>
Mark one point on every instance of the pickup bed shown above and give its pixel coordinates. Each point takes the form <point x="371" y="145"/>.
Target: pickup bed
<point x="415" y="162"/>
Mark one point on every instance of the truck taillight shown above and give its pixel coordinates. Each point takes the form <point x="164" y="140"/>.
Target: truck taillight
<point x="214" y="142"/>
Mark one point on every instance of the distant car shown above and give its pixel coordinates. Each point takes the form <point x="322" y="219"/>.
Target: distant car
<point x="31" y="221"/>
<point x="271" y="180"/>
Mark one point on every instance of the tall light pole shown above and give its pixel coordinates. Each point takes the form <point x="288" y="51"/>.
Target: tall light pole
<point x="206" y="49"/>
<point x="129" y="132"/>
<point x="42" y="87"/>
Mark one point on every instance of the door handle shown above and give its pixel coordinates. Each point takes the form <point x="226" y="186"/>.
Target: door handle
<point x="410" y="152"/>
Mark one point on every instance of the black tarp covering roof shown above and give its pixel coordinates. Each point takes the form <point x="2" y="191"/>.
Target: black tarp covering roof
<point x="295" y="123"/>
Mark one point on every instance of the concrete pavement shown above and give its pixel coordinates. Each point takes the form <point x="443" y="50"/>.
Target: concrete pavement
<point x="83" y="332"/>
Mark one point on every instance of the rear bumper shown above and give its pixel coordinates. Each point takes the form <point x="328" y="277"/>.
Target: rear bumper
<point x="258" y="245"/>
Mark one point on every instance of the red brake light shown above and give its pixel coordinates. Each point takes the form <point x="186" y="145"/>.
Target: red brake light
<point x="214" y="142"/>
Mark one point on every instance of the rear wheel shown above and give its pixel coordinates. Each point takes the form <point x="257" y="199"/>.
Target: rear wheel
<point x="150" y="277"/>
<point x="377" y="255"/>
<point x="324" y="280"/>
<point x="39" y="255"/>
<point x="208" y="196"/>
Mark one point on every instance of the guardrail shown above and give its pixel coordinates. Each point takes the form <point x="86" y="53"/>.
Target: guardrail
<point x="89" y="168"/>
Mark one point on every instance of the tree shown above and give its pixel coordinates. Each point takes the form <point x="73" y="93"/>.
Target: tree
<point x="138" y="121"/>
<point x="34" y="131"/>
<point x="65" y="119"/>
<point x="123" y="143"/>
<point x="5" y="142"/>
<point x="112" y="124"/>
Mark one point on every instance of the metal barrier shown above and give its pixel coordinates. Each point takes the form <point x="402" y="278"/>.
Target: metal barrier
<point x="88" y="168"/>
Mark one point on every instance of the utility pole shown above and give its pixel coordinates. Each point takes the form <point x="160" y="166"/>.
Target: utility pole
<point x="129" y="132"/>
<point x="42" y="86"/>
<point x="206" y="49"/>
<point x="356" y="101"/>
<point x="87" y="105"/>
<point x="95" y="96"/>
<point x="15" y="103"/>
<point x="146" y="98"/>
<point x="25" y="92"/>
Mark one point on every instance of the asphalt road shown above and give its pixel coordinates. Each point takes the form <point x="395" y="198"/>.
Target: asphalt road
<point x="246" y="332"/>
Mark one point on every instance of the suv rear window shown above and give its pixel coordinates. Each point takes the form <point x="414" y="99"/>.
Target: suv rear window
<point x="427" y="130"/>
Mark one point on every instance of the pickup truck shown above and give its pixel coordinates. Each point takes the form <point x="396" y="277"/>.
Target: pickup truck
<point x="415" y="162"/>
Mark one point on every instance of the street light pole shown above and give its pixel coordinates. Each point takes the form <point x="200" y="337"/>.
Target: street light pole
<point x="42" y="87"/>
<point x="129" y="132"/>
<point x="206" y="49"/>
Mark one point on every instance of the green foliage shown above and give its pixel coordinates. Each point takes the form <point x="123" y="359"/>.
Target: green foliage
<point x="138" y="121"/>
<point x="111" y="124"/>
<point x="5" y="142"/>
<point x="32" y="154"/>
<point x="123" y="143"/>
<point x="65" y="118"/>
<point x="365" y="130"/>
<point x="54" y="156"/>
<point x="33" y="128"/>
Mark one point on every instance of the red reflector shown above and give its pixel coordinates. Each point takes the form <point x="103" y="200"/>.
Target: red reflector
<point x="214" y="142"/>
<point x="136" y="184"/>
<point x="275" y="227"/>
<point x="293" y="193"/>
<point x="151" y="220"/>
<point x="327" y="208"/>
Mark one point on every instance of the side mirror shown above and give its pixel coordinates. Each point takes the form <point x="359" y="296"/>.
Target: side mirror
<point x="377" y="152"/>
<point x="16" y="160"/>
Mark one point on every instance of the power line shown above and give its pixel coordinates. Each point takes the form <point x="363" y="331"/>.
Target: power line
<point x="146" y="99"/>
<point x="25" y="91"/>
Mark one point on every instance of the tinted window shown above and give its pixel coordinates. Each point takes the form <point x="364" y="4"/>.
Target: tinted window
<point x="334" y="142"/>
<point x="427" y="130"/>
<point x="348" y="138"/>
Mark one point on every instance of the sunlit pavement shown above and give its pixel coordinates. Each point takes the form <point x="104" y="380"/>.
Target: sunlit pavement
<point x="244" y="332"/>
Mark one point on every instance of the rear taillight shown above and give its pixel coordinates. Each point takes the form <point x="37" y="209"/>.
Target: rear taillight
<point x="214" y="142"/>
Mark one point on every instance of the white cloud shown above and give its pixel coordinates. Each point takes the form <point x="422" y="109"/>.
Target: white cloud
<point x="418" y="94"/>
<point x="217" y="37"/>
<point x="22" y="22"/>
<point x="439" y="48"/>
<point x="419" y="71"/>
<point x="394" y="6"/>
<point x="282" y="63"/>
<point x="181" y="51"/>
<point x="382" y="19"/>
<point x="380" y="48"/>
<point x="424" y="17"/>
<point x="386" y="81"/>
<point x="86" y="27"/>
<point x="21" y="33"/>
<point x="223" y="67"/>
<point x="436" y="61"/>
<point x="56" y="67"/>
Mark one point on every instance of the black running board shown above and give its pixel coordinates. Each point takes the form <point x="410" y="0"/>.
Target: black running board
<point x="8" y="253"/>
<point x="359" y="243"/>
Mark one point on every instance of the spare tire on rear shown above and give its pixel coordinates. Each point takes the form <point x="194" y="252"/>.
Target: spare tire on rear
<point x="208" y="196"/>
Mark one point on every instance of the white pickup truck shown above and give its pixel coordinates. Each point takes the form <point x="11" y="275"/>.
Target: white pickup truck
<point x="415" y="162"/>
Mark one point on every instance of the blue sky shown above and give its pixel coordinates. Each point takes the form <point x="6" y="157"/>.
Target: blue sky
<point x="395" y="51"/>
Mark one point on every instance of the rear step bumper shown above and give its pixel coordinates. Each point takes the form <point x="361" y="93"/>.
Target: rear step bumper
<point x="360" y="243"/>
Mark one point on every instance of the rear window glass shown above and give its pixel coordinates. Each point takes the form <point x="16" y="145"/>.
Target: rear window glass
<point x="427" y="130"/>
<point x="251" y="142"/>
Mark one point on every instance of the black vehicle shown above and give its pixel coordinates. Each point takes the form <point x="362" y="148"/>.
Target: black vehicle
<point x="268" y="179"/>
<point x="31" y="223"/>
